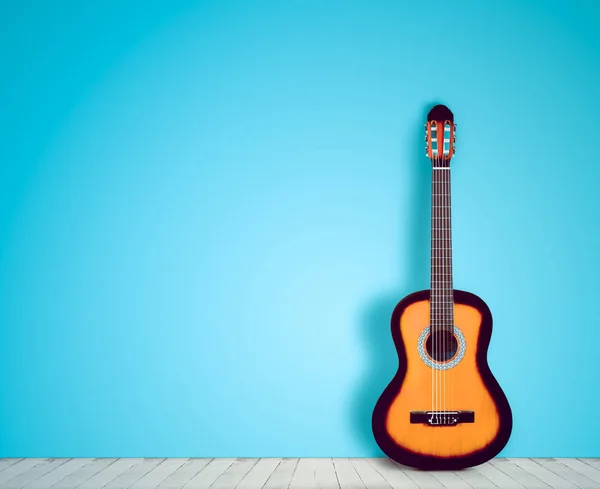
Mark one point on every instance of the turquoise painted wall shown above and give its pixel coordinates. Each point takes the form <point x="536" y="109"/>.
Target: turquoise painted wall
<point x="209" y="209"/>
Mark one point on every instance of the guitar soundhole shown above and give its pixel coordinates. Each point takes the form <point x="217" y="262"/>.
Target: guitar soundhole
<point x="441" y="346"/>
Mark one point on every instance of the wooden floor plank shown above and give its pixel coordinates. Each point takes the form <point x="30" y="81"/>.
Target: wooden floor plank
<point x="579" y="466"/>
<point x="235" y="473"/>
<point x="259" y="474"/>
<point x="20" y="467"/>
<point x="33" y="473"/>
<point x="102" y="477"/>
<point x="133" y="474"/>
<point x="159" y="473"/>
<point x="185" y="473"/>
<point x="346" y="474"/>
<point x="450" y="480"/>
<point x="542" y="473"/>
<point x="567" y="473"/>
<point x="89" y="469"/>
<point x="499" y="478"/>
<point x="58" y="474"/>
<point x="423" y="479"/>
<point x="392" y="473"/>
<point x="594" y="462"/>
<point x="7" y="462"/>
<point x="304" y="475"/>
<point x="475" y="479"/>
<point x="315" y="473"/>
<point x="370" y="477"/>
<point x="282" y="475"/>
<point x="209" y="474"/>
<point x="325" y="476"/>
<point x="525" y="478"/>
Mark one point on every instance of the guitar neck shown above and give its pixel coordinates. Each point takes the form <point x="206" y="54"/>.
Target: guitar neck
<point x="442" y="297"/>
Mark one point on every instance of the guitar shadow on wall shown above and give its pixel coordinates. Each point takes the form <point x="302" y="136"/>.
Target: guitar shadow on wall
<point x="375" y="333"/>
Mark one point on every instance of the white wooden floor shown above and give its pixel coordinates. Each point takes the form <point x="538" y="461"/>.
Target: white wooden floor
<point x="290" y="473"/>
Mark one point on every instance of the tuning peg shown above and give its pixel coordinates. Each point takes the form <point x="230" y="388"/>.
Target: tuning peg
<point x="453" y="150"/>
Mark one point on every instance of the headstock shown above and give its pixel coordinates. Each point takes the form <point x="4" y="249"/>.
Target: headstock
<point x="439" y="136"/>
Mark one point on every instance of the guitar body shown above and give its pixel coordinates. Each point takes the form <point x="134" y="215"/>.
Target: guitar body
<point x="467" y="386"/>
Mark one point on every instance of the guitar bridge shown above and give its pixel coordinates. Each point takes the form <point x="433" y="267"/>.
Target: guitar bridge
<point x="442" y="418"/>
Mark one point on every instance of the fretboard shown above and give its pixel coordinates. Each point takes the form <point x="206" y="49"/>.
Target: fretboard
<point x="442" y="297"/>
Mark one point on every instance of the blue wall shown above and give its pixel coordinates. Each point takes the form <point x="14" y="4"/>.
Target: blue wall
<point x="209" y="209"/>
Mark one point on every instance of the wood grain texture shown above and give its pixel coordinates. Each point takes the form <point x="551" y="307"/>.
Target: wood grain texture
<point x="291" y="473"/>
<point x="304" y="475"/>
<point x="518" y="474"/>
<point x="583" y="468"/>
<point x="107" y="473"/>
<point x="347" y="475"/>
<point x="185" y="473"/>
<point x="39" y="470"/>
<point x="567" y="473"/>
<point x="259" y="473"/>
<point x="209" y="474"/>
<point x="542" y="473"/>
<point x="159" y="473"/>
<point x="57" y="474"/>
<point x="282" y="475"/>
<point x="14" y="470"/>
<point x="475" y="479"/>
<point x="368" y="475"/>
<point x="7" y="462"/>
<point x="85" y="473"/>
<point x="234" y="474"/>
<point x="133" y="474"/>
<point x="498" y="478"/>
<point x="392" y="473"/>
<point x="450" y="479"/>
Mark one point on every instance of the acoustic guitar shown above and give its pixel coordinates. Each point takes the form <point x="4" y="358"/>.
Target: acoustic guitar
<point x="443" y="409"/>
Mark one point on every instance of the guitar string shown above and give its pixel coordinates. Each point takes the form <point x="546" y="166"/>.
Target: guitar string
<point x="451" y="148"/>
<point x="435" y="332"/>
<point x="444" y="251"/>
<point x="443" y="270"/>
<point x="438" y="271"/>
<point x="439" y="311"/>
<point x="446" y="264"/>
<point x="449" y="271"/>
<point x="434" y="345"/>
<point x="442" y="292"/>
<point x="450" y="281"/>
<point x="442" y="352"/>
<point x="446" y="270"/>
<point x="440" y="241"/>
<point x="431" y="299"/>
<point x="433" y="303"/>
